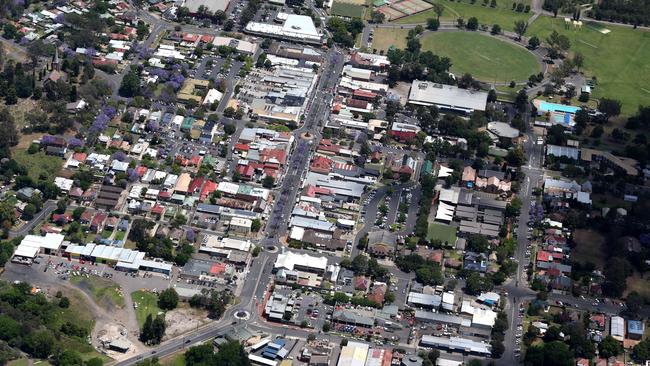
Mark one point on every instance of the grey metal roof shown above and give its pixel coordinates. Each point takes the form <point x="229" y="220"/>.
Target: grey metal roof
<point x="447" y="96"/>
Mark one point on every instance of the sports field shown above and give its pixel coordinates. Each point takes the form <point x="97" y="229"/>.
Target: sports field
<point x="486" y="58"/>
<point x="383" y="38"/>
<point x="346" y="9"/>
<point x="485" y="15"/>
<point x="619" y="59"/>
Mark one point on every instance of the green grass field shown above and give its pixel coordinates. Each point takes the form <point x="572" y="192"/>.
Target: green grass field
<point x="147" y="303"/>
<point x="485" y="15"/>
<point x="619" y="59"/>
<point x="485" y="57"/>
<point x="105" y="293"/>
<point x="383" y="38"/>
<point x="347" y="10"/>
<point x="442" y="232"/>
<point x="589" y="248"/>
<point x="38" y="164"/>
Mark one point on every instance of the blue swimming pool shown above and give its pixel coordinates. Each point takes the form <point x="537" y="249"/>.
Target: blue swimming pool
<point x="554" y="107"/>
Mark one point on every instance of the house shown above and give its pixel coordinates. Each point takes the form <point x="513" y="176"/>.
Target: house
<point x="469" y="176"/>
<point x="403" y="132"/>
<point x="475" y="262"/>
<point x="361" y="283"/>
<point x="98" y="222"/>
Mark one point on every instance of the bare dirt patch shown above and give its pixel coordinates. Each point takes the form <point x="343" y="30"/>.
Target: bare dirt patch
<point x="183" y="320"/>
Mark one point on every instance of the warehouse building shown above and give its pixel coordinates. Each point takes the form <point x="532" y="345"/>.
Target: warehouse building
<point x="447" y="97"/>
<point x="123" y="259"/>
<point x="33" y="245"/>
<point x="457" y="344"/>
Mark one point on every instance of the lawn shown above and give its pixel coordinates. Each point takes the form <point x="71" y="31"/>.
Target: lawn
<point x="619" y="59"/>
<point x="147" y="303"/>
<point x="589" y="247"/>
<point x="383" y="38"/>
<point x="39" y="164"/>
<point x="444" y="233"/>
<point x="106" y="233"/>
<point x="18" y="362"/>
<point x="104" y="292"/>
<point x="639" y="283"/>
<point x="119" y="235"/>
<point x="486" y="58"/>
<point x="503" y="16"/>
<point x="176" y="360"/>
<point x="346" y="9"/>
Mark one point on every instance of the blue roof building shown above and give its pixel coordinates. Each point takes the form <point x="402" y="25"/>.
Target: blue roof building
<point x="635" y="329"/>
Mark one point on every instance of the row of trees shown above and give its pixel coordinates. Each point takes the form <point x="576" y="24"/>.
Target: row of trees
<point x="636" y="12"/>
<point x="344" y="32"/>
<point x="37" y="326"/>
<point x="158" y="247"/>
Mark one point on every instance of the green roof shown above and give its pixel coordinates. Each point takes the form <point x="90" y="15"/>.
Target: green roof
<point x="379" y="3"/>
<point x="427" y="167"/>
<point x="187" y="123"/>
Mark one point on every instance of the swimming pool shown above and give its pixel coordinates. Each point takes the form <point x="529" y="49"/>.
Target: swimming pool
<point x="554" y="107"/>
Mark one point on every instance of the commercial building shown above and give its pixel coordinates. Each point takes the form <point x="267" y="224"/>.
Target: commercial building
<point x="403" y="132"/>
<point x="447" y="97"/>
<point x="123" y="259"/>
<point x="32" y="245"/>
<point x="635" y="329"/>
<point x="298" y="28"/>
<point x="502" y="131"/>
<point x="457" y="344"/>
<point x="353" y="354"/>
<point x="301" y="262"/>
<point x="617" y="328"/>
<point x="211" y="5"/>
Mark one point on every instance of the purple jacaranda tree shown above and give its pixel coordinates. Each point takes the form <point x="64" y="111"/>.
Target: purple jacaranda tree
<point x="190" y="235"/>
<point x="119" y="155"/>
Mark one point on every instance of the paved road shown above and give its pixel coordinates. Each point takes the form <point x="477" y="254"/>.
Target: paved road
<point x="48" y="207"/>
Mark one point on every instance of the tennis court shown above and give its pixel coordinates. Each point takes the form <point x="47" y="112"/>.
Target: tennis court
<point x="404" y="8"/>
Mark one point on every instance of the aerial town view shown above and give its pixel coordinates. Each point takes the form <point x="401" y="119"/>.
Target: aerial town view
<point x="324" y="182"/>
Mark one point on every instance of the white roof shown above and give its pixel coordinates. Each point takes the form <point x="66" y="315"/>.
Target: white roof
<point x="212" y="96"/>
<point x="26" y="251"/>
<point x="353" y="354"/>
<point x="445" y="212"/>
<point x="227" y="187"/>
<point x="444" y="172"/>
<point x="617" y="327"/>
<point x="484" y="317"/>
<point x="119" y="166"/>
<point x="240" y="221"/>
<point x="49" y="241"/>
<point x="288" y="260"/>
<point x="357" y="73"/>
<point x="64" y="184"/>
<point x="502" y="129"/>
<point x="448" y="297"/>
<point x="447" y="96"/>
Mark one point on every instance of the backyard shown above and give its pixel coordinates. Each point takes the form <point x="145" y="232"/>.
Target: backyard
<point x="38" y="164"/>
<point x="444" y="233"/>
<point x="589" y="247"/>
<point x="488" y="59"/>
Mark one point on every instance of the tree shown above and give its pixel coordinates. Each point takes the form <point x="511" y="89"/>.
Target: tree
<point x="521" y="100"/>
<point x="64" y="303"/>
<point x="472" y="23"/>
<point x="478" y="243"/>
<point x="429" y="275"/>
<point x="438" y="9"/>
<point x="496" y="29"/>
<point x="475" y="284"/>
<point x="520" y="28"/>
<point x="555" y="353"/>
<point x="256" y="225"/>
<point x="268" y="182"/>
<point x="378" y="17"/>
<point x="230" y="128"/>
<point x="610" y="107"/>
<point x="558" y="42"/>
<point x="433" y="24"/>
<point x="609" y="347"/>
<point x="168" y="299"/>
<point x="516" y="157"/>
<point x="641" y="352"/>
<point x="130" y="86"/>
<point x="533" y="42"/>
<point x="616" y="272"/>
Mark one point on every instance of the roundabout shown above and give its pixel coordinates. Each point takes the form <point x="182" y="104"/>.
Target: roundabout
<point x="487" y="58"/>
<point x="242" y="315"/>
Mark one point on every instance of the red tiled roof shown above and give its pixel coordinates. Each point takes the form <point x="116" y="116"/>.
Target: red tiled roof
<point x="278" y="155"/>
<point x="544" y="256"/>
<point x="158" y="209"/>
<point x="241" y="147"/>
<point x="81" y="157"/>
<point x="188" y="37"/>
<point x="208" y="188"/>
<point x="141" y="170"/>
<point x="206" y="38"/>
<point x="321" y="164"/>
<point x="364" y="93"/>
<point x="196" y="160"/>
<point x="196" y="184"/>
